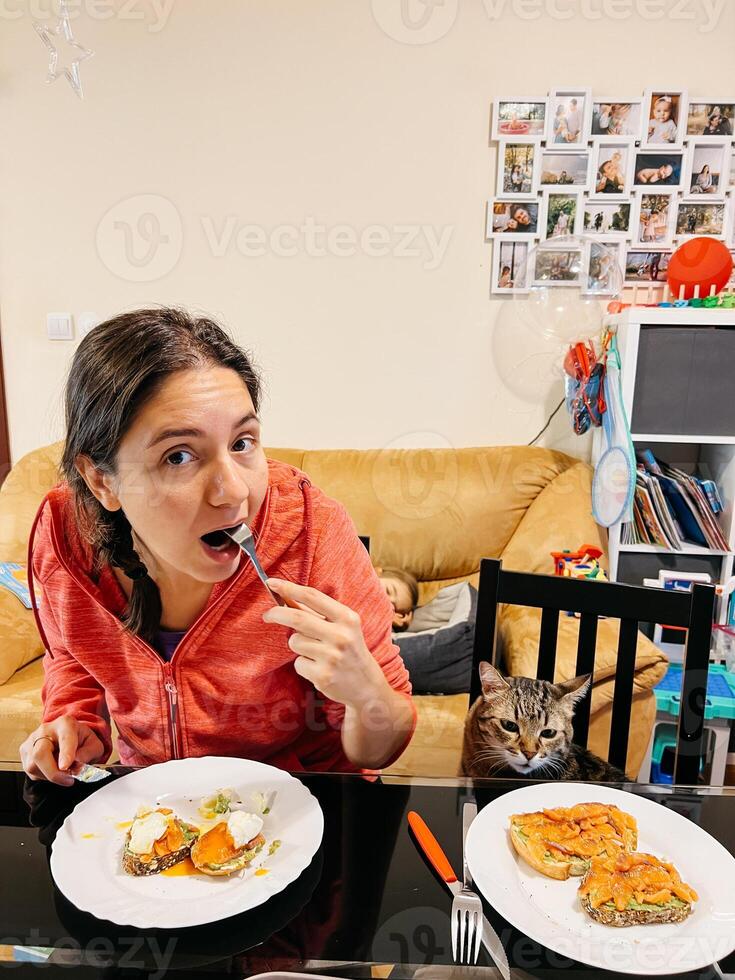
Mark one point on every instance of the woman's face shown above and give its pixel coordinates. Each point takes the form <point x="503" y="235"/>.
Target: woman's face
<point x="190" y="463"/>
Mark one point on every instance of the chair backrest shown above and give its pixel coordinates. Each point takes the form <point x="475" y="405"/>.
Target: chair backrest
<point x="631" y="605"/>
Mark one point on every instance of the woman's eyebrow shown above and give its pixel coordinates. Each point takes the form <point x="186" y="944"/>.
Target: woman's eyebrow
<point x="177" y="433"/>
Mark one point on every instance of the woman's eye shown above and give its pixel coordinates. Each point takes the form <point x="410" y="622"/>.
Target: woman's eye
<point x="178" y="452"/>
<point x="246" y="439"/>
<point x="548" y="733"/>
<point x="509" y="726"/>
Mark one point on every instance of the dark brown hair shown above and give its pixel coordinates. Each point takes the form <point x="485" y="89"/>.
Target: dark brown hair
<point x="119" y="367"/>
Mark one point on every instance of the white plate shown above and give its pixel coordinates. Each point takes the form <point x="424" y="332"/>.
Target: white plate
<point x="86" y="856"/>
<point x="548" y="910"/>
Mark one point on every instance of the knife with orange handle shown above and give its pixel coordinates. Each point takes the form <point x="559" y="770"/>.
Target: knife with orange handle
<point x="440" y="862"/>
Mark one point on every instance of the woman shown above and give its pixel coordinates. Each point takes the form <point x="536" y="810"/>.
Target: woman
<point x="149" y="619"/>
<point x="703" y="183"/>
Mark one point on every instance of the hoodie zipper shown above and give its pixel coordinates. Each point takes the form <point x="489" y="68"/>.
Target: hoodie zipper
<point x="173" y="708"/>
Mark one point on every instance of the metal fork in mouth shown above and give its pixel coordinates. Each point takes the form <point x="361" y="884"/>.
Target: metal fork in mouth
<point x="243" y="536"/>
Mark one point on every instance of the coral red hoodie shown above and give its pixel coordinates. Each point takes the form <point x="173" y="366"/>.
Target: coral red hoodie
<point x="230" y="688"/>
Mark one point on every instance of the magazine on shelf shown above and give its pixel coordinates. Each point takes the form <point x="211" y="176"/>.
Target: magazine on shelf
<point x="673" y="509"/>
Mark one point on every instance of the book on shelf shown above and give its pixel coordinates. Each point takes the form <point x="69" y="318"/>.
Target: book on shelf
<point x="673" y="509"/>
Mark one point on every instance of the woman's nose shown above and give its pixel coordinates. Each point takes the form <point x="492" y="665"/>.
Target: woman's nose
<point x="227" y="485"/>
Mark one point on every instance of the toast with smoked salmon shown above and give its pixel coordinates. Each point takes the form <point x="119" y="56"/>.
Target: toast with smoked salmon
<point x="634" y="889"/>
<point x="562" y="841"/>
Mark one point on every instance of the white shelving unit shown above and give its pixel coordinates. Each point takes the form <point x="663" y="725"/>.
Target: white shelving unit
<point x="642" y="331"/>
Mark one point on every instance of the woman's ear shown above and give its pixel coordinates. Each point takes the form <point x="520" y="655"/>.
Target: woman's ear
<point x="99" y="483"/>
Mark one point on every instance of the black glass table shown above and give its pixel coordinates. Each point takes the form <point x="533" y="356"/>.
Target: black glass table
<point x="368" y="905"/>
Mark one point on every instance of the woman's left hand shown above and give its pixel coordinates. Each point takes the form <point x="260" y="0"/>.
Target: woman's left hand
<point x="330" y="649"/>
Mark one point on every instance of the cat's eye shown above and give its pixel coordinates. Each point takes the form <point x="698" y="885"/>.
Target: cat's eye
<point x="508" y="726"/>
<point x="548" y="733"/>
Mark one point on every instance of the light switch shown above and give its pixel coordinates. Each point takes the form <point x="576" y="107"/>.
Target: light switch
<point x="60" y="326"/>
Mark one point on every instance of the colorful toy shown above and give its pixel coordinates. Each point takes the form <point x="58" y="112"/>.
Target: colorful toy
<point x="700" y="262"/>
<point x="582" y="563"/>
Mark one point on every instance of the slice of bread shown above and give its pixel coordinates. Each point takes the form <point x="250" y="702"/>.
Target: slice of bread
<point x="608" y="915"/>
<point x="551" y="866"/>
<point x="135" y="865"/>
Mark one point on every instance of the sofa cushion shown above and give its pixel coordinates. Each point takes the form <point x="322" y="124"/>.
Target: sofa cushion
<point x="17" y="622"/>
<point x="20" y="709"/>
<point x="439" y="659"/>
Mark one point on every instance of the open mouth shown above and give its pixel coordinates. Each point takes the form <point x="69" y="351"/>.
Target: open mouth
<point x="219" y="540"/>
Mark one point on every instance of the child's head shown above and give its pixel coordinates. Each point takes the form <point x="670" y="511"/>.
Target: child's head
<point x="662" y="109"/>
<point x="505" y="270"/>
<point x="403" y="591"/>
<point x="665" y="171"/>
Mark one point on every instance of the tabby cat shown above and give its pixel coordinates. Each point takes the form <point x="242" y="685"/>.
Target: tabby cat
<point x="523" y="727"/>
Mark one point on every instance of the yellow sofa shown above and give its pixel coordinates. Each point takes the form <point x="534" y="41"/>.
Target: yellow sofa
<point x="436" y="512"/>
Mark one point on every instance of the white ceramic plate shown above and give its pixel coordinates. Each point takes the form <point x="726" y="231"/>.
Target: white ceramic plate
<point x="548" y="910"/>
<point x="86" y="856"/>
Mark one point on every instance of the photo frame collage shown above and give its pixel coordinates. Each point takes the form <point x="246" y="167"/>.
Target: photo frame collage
<point x="639" y="175"/>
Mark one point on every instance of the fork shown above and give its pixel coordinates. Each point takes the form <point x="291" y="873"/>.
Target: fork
<point x="466" y="906"/>
<point x="243" y="537"/>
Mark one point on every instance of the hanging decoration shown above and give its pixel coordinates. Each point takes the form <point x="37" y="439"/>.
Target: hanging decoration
<point x="61" y="43"/>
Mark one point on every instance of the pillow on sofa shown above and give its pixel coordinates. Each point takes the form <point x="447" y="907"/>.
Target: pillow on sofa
<point x="439" y="658"/>
<point x="449" y="606"/>
<point x="17" y="622"/>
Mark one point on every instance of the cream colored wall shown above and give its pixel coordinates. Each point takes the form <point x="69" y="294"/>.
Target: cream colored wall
<point x="276" y="113"/>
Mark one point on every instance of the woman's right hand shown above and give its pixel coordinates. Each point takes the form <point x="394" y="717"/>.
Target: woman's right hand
<point x="53" y="748"/>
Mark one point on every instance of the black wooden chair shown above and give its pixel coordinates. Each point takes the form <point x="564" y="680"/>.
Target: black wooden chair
<point x="631" y="605"/>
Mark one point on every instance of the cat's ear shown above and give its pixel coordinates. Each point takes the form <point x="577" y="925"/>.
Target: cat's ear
<point x="576" y="689"/>
<point x="493" y="682"/>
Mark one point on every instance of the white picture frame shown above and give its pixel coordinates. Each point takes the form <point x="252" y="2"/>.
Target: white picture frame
<point x="607" y="209"/>
<point x="651" y="159"/>
<point x="678" y="116"/>
<point x="504" y="221"/>
<point x="550" y="213"/>
<point x="647" y="205"/>
<point x="731" y="170"/>
<point x="714" y="154"/>
<point x="568" y="258"/>
<point x="503" y="176"/>
<point x="592" y="283"/>
<point x="575" y="162"/>
<point x="641" y="259"/>
<point x="531" y="128"/>
<point x="510" y="251"/>
<point x="571" y="101"/>
<point x="686" y="210"/>
<point x="621" y="125"/>
<point x="604" y="154"/>
<point x="699" y="110"/>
